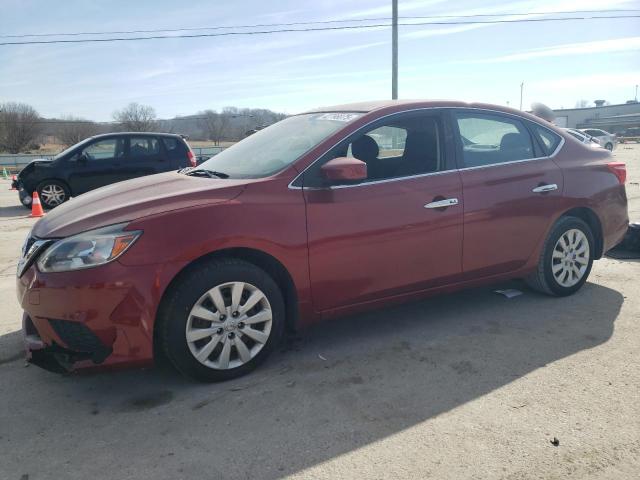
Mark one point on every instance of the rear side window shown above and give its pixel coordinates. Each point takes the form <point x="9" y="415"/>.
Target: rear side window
<point x="488" y="139"/>
<point x="549" y="140"/>
<point x="175" y="147"/>
<point x="171" y="144"/>
<point x="141" y="147"/>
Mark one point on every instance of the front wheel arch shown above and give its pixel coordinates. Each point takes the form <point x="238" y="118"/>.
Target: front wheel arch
<point x="62" y="183"/>
<point x="260" y="259"/>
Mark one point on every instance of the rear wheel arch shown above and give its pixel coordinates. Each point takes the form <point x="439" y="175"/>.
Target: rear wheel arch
<point x="590" y="218"/>
<point x="266" y="262"/>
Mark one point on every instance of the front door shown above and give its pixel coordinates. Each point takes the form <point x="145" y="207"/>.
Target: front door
<point x="97" y="165"/>
<point x="511" y="191"/>
<point x="398" y="231"/>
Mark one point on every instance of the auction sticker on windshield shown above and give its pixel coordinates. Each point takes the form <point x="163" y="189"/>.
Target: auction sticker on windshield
<point x="339" y="117"/>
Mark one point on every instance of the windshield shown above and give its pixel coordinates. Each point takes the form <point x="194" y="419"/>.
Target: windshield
<point x="72" y="147"/>
<point x="270" y="150"/>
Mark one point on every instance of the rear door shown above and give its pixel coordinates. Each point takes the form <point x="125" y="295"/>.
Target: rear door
<point x="146" y="156"/>
<point x="511" y="189"/>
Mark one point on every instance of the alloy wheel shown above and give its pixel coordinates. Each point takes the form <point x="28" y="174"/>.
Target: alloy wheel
<point x="570" y="258"/>
<point x="52" y="195"/>
<point x="229" y="325"/>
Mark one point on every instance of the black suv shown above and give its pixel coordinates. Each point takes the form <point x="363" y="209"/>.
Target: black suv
<point x="99" y="161"/>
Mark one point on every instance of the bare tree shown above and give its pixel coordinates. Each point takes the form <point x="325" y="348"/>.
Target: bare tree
<point x="582" y="103"/>
<point x="73" y="130"/>
<point x="214" y="125"/>
<point x="19" y="126"/>
<point x="136" y="118"/>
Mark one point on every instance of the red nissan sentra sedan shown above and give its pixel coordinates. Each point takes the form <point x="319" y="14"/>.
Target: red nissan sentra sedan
<point x="325" y="213"/>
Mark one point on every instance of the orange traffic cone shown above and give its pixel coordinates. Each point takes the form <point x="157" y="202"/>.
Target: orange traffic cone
<point x="36" y="207"/>
<point x="13" y="182"/>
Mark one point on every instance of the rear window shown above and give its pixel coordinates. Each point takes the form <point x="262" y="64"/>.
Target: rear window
<point x="549" y="140"/>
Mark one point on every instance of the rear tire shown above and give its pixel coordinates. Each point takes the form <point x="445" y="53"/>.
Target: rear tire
<point x="566" y="258"/>
<point x="221" y="320"/>
<point x="53" y="193"/>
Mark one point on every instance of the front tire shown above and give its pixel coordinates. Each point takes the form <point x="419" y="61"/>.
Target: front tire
<point x="609" y="146"/>
<point x="221" y="320"/>
<point x="52" y="193"/>
<point x="566" y="259"/>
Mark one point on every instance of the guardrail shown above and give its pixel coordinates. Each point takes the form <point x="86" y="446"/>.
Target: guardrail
<point x="13" y="163"/>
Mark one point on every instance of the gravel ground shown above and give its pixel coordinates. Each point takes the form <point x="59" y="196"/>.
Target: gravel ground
<point x="464" y="386"/>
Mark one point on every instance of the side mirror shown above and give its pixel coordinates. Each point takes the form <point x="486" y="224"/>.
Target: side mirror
<point x="344" y="169"/>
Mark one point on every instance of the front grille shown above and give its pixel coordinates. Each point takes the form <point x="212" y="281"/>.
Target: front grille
<point x="79" y="338"/>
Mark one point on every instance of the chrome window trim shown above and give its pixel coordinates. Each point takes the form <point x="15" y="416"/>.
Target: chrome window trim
<point x="375" y="182"/>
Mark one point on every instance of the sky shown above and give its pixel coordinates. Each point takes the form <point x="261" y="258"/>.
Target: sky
<point x="559" y="62"/>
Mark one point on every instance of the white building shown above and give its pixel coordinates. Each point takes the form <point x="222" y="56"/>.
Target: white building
<point x="612" y="118"/>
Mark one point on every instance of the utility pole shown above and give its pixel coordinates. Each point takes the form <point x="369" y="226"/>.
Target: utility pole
<point x="636" y="93"/>
<point x="394" y="50"/>
<point x="521" y="89"/>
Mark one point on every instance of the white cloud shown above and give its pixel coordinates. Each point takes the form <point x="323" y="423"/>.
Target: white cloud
<point x="584" y="48"/>
<point x="598" y="80"/>
<point x="385" y="10"/>
<point x="544" y="9"/>
<point x="331" y="53"/>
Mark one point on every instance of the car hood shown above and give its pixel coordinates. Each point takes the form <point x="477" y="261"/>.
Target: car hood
<point x="134" y="199"/>
<point x="32" y="165"/>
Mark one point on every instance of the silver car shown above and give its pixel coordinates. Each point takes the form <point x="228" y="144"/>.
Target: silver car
<point x="606" y="139"/>
<point x="583" y="137"/>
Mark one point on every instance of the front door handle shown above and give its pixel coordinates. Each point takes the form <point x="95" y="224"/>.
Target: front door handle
<point x="550" y="187"/>
<point x="447" y="202"/>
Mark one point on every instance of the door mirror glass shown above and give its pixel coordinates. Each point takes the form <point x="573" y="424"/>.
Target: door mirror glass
<point x="343" y="169"/>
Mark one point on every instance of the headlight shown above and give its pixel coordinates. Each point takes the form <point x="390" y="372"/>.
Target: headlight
<point x="88" y="249"/>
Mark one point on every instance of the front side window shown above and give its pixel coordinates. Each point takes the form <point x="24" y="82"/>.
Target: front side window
<point x="274" y="148"/>
<point x="488" y="139"/>
<point x="102" y="150"/>
<point x="403" y="146"/>
<point x="144" y="147"/>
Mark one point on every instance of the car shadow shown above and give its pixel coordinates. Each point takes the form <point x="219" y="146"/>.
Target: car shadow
<point x="13" y="212"/>
<point x="337" y="387"/>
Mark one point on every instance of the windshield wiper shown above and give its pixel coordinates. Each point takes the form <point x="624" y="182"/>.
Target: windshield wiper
<point x="203" y="172"/>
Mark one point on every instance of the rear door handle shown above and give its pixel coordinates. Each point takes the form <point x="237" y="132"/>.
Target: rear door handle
<point x="550" y="187"/>
<point x="447" y="202"/>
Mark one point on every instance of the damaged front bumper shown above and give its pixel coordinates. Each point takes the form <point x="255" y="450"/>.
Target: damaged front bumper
<point x="84" y="347"/>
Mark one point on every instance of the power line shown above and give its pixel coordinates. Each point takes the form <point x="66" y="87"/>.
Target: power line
<point x="319" y="22"/>
<point x="316" y="29"/>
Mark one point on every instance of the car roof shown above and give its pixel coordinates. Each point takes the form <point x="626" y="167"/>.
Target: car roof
<point x="138" y="134"/>
<point x="392" y="106"/>
<point x="366" y="107"/>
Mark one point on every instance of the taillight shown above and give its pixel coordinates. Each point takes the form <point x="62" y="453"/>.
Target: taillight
<point x="191" y="157"/>
<point x="619" y="169"/>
